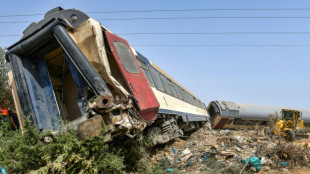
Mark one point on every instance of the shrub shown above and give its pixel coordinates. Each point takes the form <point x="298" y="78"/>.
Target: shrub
<point x="22" y="153"/>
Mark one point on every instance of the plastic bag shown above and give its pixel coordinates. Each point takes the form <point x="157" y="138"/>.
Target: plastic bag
<point x="254" y="161"/>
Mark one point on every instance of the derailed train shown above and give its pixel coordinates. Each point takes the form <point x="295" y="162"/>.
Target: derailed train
<point x="70" y="68"/>
<point x="230" y="115"/>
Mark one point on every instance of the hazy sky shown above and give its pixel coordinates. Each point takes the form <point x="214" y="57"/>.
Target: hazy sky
<point x="277" y="76"/>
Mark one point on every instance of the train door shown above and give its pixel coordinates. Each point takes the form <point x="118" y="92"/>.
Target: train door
<point x="134" y="77"/>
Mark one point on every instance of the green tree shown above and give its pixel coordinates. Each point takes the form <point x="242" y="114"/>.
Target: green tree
<point x="6" y="98"/>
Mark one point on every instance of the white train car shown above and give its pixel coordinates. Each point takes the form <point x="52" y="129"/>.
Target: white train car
<point x="177" y="104"/>
<point x="230" y="115"/>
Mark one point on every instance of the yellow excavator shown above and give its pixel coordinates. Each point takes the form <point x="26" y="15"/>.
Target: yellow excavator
<point x="291" y="125"/>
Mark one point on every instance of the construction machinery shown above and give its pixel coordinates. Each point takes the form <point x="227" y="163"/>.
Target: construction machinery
<point x="290" y="125"/>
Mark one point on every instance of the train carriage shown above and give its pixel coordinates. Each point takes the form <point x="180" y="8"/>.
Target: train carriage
<point x="70" y="68"/>
<point x="231" y="115"/>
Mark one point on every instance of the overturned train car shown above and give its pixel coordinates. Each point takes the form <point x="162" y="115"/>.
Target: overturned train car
<point x="230" y="115"/>
<point x="70" y="68"/>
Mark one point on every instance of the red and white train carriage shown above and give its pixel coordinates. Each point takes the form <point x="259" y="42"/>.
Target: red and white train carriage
<point x="70" y="68"/>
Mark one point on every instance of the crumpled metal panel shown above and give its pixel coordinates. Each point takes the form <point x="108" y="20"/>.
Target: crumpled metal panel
<point x="227" y="108"/>
<point x="137" y="82"/>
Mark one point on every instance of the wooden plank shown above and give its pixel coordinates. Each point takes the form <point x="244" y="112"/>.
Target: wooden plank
<point x="16" y="99"/>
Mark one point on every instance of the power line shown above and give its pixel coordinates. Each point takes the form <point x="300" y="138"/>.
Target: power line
<point x="206" y="9"/>
<point x="20" y="15"/>
<point x="213" y="33"/>
<point x="173" y="10"/>
<point x="186" y="18"/>
<point x="198" y="33"/>
<point x="16" y="22"/>
<point x="207" y="17"/>
<point x="10" y="35"/>
<point x="180" y="45"/>
<point x="212" y="45"/>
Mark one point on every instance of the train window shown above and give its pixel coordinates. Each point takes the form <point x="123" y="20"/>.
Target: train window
<point x="229" y="121"/>
<point x="189" y="98"/>
<point x="198" y="103"/>
<point x="156" y="79"/>
<point x="141" y="62"/>
<point x="148" y="76"/>
<point x="145" y="71"/>
<point x="126" y="57"/>
<point x="195" y="101"/>
<point x="165" y="83"/>
<point x="179" y="91"/>
<point x="192" y="100"/>
<point x="238" y="121"/>
<point x="185" y="97"/>
<point x="172" y="88"/>
<point x="201" y="104"/>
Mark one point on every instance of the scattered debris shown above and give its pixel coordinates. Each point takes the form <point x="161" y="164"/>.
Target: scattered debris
<point x="205" y="157"/>
<point x="240" y="139"/>
<point x="227" y="151"/>
<point x="254" y="162"/>
<point x="283" y="163"/>
<point x="186" y="154"/>
<point x="208" y="126"/>
<point x="253" y="169"/>
<point x="174" y="150"/>
<point x="170" y="170"/>
<point x="3" y="171"/>
<point x="264" y="160"/>
<point x="225" y="132"/>
<point x="47" y="139"/>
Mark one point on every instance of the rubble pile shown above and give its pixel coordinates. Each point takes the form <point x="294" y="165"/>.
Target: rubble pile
<point x="234" y="151"/>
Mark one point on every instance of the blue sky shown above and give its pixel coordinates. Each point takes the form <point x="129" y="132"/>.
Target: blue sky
<point x="277" y="76"/>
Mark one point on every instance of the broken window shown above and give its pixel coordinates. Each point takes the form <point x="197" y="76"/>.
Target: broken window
<point x="126" y="58"/>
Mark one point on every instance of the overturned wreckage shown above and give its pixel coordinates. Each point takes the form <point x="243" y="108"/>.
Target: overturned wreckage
<point x="69" y="68"/>
<point x="230" y="115"/>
